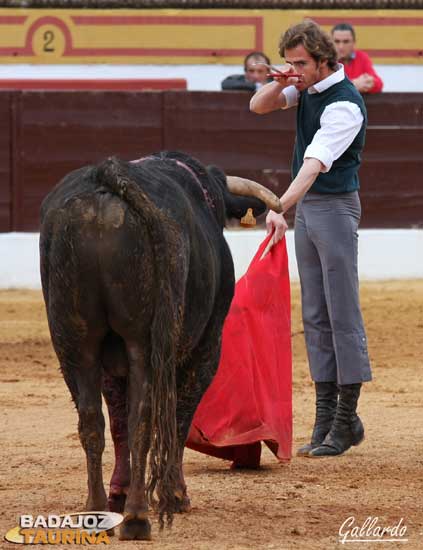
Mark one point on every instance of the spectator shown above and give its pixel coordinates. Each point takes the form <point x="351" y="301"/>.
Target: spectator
<point x="358" y="66"/>
<point x="254" y="75"/>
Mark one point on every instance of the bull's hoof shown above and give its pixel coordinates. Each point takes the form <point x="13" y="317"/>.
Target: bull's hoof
<point x="183" y="505"/>
<point x="134" y="528"/>
<point x="116" y="502"/>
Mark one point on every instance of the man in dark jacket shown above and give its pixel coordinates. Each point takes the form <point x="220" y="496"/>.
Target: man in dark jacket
<point x="254" y="75"/>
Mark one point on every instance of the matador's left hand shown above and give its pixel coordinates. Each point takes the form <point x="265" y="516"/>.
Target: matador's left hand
<point x="277" y="222"/>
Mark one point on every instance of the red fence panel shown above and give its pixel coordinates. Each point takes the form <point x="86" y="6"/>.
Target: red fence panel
<point x="45" y="134"/>
<point x="60" y="131"/>
<point x="5" y="162"/>
<point x="218" y="128"/>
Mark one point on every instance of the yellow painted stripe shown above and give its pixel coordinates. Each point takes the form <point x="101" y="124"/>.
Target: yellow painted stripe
<point x="191" y="36"/>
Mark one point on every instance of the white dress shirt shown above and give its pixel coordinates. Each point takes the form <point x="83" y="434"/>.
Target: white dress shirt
<point x="339" y="124"/>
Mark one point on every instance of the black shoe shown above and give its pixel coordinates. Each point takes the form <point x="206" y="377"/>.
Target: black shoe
<point x="347" y="429"/>
<point x="326" y="401"/>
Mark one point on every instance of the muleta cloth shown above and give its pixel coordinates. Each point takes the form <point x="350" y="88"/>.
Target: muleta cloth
<point x="250" y="398"/>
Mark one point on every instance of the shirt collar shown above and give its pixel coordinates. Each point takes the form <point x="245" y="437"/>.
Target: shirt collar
<point x="329" y="81"/>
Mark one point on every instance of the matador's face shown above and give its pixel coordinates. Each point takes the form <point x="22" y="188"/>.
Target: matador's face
<point x="305" y="65"/>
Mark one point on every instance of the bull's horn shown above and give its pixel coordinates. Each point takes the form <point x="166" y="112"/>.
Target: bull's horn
<point x="249" y="188"/>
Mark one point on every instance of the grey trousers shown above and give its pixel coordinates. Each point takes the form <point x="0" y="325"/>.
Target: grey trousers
<point x="326" y="246"/>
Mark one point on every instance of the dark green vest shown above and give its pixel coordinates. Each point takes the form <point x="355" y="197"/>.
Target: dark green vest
<point x="343" y="175"/>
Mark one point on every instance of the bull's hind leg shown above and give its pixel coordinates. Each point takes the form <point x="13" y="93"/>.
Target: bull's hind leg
<point x="115" y="394"/>
<point x="77" y="326"/>
<point x="91" y="432"/>
<point x="193" y="380"/>
<point x="77" y="348"/>
<point x="82" y="373"/>
<point x="136" y="525"/>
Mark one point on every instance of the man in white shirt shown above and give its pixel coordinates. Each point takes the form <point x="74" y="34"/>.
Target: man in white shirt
<point x="331" y="123"/>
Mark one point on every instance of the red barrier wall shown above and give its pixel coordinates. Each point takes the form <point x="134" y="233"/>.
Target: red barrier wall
<point x="60" y="131"/>
<point x="45" y="134"/>
<point x="5" y="162"/>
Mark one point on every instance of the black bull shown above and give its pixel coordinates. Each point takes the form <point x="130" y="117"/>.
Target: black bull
<point x="138" y="279"/>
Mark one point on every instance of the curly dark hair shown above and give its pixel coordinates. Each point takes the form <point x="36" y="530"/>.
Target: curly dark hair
<point x="314" y="39"/>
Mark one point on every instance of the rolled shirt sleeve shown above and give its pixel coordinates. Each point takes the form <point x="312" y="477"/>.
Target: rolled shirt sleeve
<point x="291" y="95"/>
<point x="339" y="125"/>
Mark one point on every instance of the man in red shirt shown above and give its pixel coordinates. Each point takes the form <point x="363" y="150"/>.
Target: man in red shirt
<point x="357" y="64"/>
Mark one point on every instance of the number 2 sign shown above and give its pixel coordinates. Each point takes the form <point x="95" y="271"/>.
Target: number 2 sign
<point x="48" y="42"/>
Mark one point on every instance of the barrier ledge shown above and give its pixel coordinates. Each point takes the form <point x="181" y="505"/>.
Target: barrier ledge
<point x="383" y="254"/>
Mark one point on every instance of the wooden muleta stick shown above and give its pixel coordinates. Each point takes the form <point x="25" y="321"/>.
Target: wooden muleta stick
<point x="270" y="244"/>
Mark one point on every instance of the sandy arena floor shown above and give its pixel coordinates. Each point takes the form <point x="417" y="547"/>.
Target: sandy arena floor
<point x="301" y="505"/>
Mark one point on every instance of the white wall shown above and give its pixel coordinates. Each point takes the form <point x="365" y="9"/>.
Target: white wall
<point x="397" y="78"/>
<point x="383" y="254"/>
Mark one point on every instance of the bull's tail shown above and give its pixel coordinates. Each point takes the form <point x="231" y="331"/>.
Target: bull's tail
<point x="163" y="471"/>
